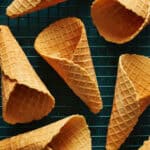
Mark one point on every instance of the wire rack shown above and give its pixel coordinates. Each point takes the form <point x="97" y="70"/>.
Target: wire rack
<point x="105" y="57"/>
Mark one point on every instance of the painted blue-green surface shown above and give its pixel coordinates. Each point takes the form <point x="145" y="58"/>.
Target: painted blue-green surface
<point x="105" y="56"/>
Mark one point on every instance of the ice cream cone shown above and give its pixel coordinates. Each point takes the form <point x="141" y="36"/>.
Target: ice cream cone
<point x="119" y="21"/>
<point x="145" y="146"/>
<point x="22" y="7"/>
<point x="132" y="97"/>
<point x="71" y="133"/>
<point x="65" y="47"/>
<point x="25" y="97"/>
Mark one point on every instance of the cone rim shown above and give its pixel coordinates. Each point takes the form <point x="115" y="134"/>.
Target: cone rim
<point x="146" y="21"/>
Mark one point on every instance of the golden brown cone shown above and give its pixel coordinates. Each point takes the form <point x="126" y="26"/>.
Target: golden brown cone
<point x="65" y="47"/>
<point x="22" y="7"/>
<point x="71" y="133"/>
<point x="132" y="97"/>
<point x="119" y="21"/>
<point x="145" y="146"/>
<point x="25" y="97"/>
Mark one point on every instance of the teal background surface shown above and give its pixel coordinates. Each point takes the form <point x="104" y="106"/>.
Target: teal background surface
<point x="105" y="57"/>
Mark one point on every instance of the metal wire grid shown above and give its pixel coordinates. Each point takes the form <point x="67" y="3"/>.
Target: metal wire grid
<point x="105" y="56"/>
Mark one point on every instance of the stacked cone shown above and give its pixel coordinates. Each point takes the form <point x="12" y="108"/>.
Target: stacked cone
<point x="119" y="21"/>
<point x="132" y="97"/>
<point x="145" y="146"/>
<point x="22" y="7"/>
<point x="71" y="133"/>
<point x="64" y="46"/>
<point x="25" y="97"/>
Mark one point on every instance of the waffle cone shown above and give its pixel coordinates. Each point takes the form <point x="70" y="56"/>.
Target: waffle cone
<point x="145" y="146"/>
<point x="71" y="133"/>
<point x="132" y="97"/>
<point x="22" y="7"/>
<point x="25" y="97"/>
<point x="119" y="21"/>
<point x="64" y="46"/>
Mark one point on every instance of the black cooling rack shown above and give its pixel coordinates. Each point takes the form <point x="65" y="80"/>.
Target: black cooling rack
<point x="105" y="57"/>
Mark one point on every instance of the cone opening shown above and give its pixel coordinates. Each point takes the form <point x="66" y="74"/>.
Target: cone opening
<point x="26" y="105"/>
<point x="124" y="105"/>
<point x="134" y="66"/>
<point x="64" y="46"/>
<point x="60" y="38"/>
<point x="115" y="22"/>
<point x="74" y="134"/>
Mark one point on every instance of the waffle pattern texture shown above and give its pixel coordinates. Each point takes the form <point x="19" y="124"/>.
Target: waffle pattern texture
<point x="119" y="21"/>
<point x="71" y="133"/>
<point x="25" y="97"/>
<point x="22" y="7"/>
<point x="132" y="97"/>
<point x="65" y="47"/>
